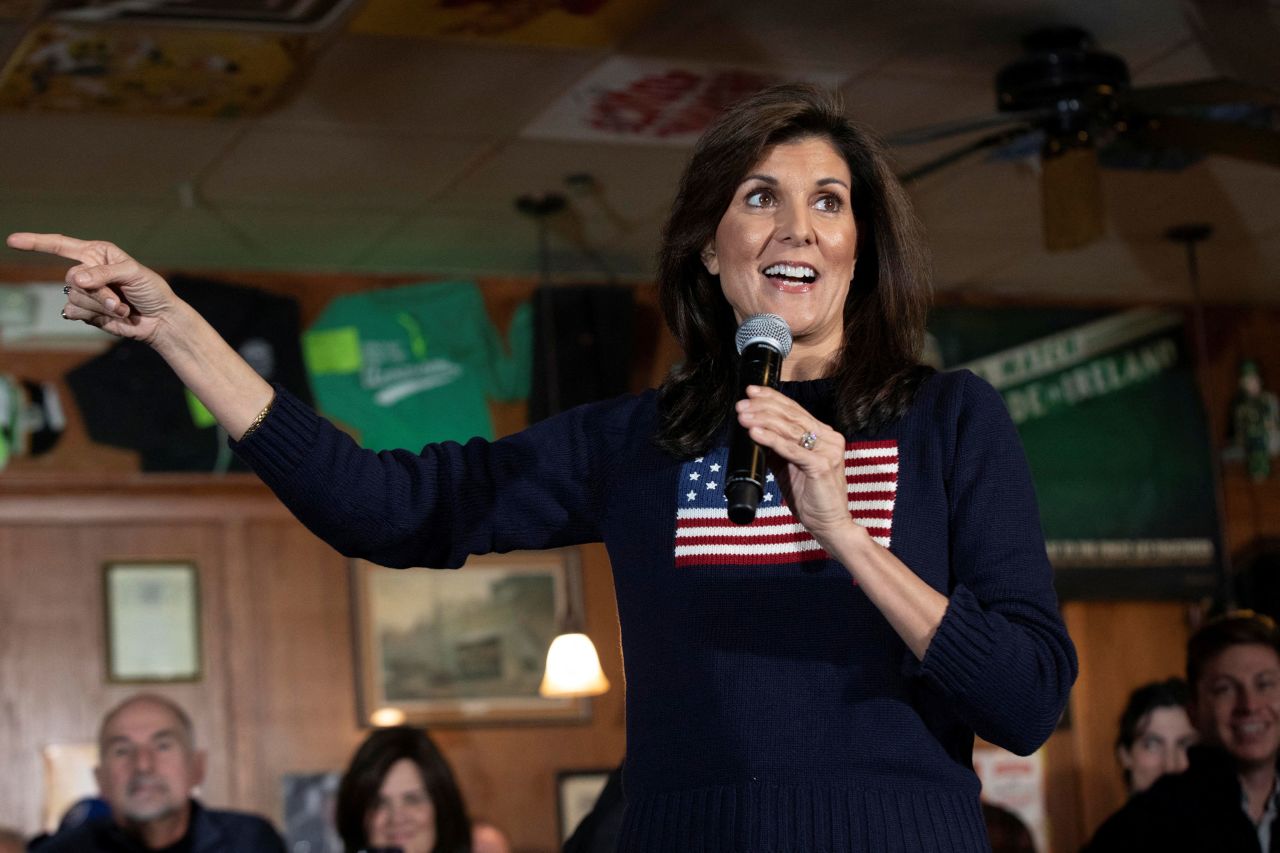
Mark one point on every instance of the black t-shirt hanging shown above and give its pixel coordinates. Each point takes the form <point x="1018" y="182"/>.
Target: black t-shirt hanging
<point x="130" y="398"/>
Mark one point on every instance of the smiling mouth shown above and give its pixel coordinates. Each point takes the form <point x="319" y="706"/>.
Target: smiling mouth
<point x="791" y="275"/>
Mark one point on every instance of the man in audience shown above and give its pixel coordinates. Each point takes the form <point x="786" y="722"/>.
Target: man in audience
<point x="148" y="766"/>
<point x="1227" y="799"/>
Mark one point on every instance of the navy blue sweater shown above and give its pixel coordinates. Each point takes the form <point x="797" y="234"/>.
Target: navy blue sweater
<point x="770" y="706"/>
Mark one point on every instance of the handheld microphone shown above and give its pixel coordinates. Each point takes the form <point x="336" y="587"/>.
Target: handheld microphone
<point x="763" y="342"/>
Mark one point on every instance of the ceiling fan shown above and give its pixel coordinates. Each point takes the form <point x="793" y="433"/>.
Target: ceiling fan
<point x="1073" y="105"/>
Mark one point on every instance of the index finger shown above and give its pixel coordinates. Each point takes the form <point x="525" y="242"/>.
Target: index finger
<point x="51" y="244"/>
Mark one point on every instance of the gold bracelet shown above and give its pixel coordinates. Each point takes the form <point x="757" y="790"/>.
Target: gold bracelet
<point x="257" y="422"/>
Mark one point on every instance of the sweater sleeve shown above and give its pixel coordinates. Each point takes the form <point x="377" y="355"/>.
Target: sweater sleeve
<point x="1001" y="654"/>
<point x="536" y="489"/>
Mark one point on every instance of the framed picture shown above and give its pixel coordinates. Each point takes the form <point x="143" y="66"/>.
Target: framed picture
<point x="466" y="646"/>
<point x="152" y="621"/>
<point x="68" y="779"/>
<point x="310" y="801"/>
<point x="576" y="795"/>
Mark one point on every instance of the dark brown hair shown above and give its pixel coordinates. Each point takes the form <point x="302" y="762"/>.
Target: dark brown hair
<point x="1170" y="693"/>
<point x="877" y="371"/>
<point x="1234" y="628"/>
<point x="358" y="790"/>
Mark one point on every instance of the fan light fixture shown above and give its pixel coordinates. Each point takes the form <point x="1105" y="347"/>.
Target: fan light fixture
<point x="1078" y="103"/>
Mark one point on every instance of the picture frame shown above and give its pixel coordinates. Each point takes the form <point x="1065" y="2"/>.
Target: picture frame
<point x="152" y="621"/>
<point x="576" y="794"/>
<point x="463" y="647"/>
<point x="310" y="803"/>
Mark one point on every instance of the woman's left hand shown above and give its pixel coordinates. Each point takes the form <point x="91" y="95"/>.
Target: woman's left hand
<point x="812" y="479"/>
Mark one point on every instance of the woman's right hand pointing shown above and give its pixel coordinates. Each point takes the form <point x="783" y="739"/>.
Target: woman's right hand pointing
<point x="106" y="288"/>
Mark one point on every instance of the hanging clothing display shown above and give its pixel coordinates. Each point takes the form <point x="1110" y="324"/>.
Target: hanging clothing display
<point x="410" y="365"/>
<point x="130" y="398"/>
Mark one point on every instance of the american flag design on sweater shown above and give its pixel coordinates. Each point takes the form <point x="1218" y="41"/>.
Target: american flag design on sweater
<point x="706" y="537"/>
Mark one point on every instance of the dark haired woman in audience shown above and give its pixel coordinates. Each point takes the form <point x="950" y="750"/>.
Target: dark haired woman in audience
<point x="811" y="681"/>
<point x="399" y="793"/>
<point x="1155" y="732"/>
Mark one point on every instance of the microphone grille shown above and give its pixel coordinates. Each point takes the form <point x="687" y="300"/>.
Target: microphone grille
<point x="768" y="329"/>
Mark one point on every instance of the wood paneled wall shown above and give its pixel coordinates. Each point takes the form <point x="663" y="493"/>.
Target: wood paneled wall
<point x="278" y="692"/>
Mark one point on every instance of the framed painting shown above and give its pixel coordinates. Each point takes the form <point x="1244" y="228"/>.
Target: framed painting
<point x="576" y="795"/>
<point x="152" y="621"/>
<point x="466" y="646"/>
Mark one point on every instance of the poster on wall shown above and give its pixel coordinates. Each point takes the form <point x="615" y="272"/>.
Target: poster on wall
<point x="1015" y="784"/>
<point x="1114" y="429"/>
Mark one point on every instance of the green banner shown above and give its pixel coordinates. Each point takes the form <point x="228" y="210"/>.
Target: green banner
<point x="1112" y="423"/>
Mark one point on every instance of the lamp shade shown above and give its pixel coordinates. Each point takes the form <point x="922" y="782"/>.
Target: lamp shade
<point x="573" y="668"/>
<point x="387" y="716"/>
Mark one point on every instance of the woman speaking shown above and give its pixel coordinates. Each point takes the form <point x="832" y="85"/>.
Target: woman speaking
<point x="813" y="680"/>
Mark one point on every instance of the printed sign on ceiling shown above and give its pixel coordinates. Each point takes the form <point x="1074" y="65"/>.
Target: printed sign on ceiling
<point x="626" y="99"/>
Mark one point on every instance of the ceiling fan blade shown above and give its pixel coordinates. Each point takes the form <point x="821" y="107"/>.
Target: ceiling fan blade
<point x="1259" y="145"/>
<point x="933" y="132"/>
<point x="1219" y="90"/>
<point x="991" y="140"/>
<point x="1071" y="197"/>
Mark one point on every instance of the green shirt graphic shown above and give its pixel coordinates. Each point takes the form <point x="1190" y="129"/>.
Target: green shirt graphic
<point x="411" y="365"/>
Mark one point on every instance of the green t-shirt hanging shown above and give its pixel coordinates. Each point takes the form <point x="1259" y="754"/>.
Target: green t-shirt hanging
<point x="411" y="365"/>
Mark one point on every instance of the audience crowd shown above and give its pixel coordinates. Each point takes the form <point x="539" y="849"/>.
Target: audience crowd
<point x="1198" y="758"/>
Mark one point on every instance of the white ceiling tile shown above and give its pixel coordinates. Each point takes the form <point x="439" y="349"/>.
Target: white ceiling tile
<point x="124" y="223"/>
<point x="449" y="243"/>
<point x="997" y="198"/>
<point x="889" y="104"/>
<point x="200" y="238"/>
<point x="1106" y="270"/>
<point x="430" y="87"/>
<point x="483" y="244"/>
<point x="403" y="155"/>
<point x="633" y="181"/>
<point x="1252" y="190"/>
<point x="964" y="261"/>
<point x="817" y="34"/>
<point x="337" y="168"/>
<point x="99" y="156"/>
<point x="308" y="239"/>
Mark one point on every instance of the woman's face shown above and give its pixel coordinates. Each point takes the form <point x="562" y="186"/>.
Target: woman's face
<point x="404" y="815"/>
<point x="1159" y="747"/>
<point x="787" y="243"/>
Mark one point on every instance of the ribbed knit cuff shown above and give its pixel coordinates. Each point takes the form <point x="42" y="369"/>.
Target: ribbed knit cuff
<point x="275" y="448"/>
<point x="962" y="647"/>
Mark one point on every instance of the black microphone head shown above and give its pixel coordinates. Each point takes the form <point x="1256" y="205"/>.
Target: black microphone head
<point x="768" y="329"/>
